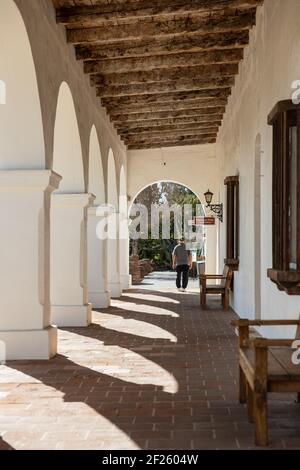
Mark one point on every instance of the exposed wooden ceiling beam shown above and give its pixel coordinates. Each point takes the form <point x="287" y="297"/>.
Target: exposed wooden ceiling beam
<point x="164" y="87"/>
<point x="213" y="23"/>
<point x="187" y="59"/>
<point x="197" y="127"/>
<point x="175" y="143"/>
<point x="152" y="46"/>
<point x="163" y="69"/>
<point x="169" y="121"/>
<point x="147" y="136"/>
<point x="102" y="12"/>
<point x="166" y="97"/>
<point x="167" y="114"/>
<point x="175" y="73"/>
<point x="168" y="106"/>
<point x="170" y="134"/>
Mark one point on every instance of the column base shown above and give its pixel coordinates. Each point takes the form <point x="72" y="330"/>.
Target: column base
<point x="126" y="281"/>
<point x="115" y="289"/>
<point x="99" y="299"/>
<point x="71" y="315"/>
<point x="28" y="344"/>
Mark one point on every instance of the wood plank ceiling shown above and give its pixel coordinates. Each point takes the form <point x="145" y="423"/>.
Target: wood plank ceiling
<point x="162" y="68"/>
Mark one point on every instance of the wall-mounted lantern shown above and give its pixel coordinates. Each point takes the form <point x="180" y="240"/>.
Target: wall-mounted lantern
<point x="216" y="208"/>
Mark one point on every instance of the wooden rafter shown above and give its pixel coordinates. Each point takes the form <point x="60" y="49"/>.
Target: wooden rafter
<point x="163" y="69"/>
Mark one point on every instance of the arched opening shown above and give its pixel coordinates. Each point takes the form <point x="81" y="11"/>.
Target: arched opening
<point x="67" y="153"/>
<point x="124" y="234"/>
<point x="98" y="294"/>
<point x="68" y="220"/>
<point x="96" y="178"/>
<point x="113" y="265"/>
<point x="162" y="213"/>
<point x="24" y="199"/>
<point x="21" y="127"/>
<point x="257" y="227"/>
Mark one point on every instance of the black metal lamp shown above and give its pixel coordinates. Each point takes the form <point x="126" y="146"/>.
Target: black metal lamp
<point x="216" y="208"/>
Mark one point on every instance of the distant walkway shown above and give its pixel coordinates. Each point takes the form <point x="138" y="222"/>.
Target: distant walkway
<point x="165" y="280"/>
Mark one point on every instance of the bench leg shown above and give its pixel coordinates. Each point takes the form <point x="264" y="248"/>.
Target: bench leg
<point x="260" y="396"/>
<point x="250" y="404"/>
<point x="242" y="386"/>
<point x="260" y="419"/>
<point x="203" y="299"/>
<point x="226" y="300"/>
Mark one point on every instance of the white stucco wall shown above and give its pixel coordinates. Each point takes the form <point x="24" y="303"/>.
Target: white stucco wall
<point x="271" y="63"/>
<point x="193" y="166"/>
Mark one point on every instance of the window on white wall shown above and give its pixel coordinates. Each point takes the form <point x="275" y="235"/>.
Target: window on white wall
<point x="232" y="222"/>
<point x="285" y="272"/>
<point x="2" y="92"/>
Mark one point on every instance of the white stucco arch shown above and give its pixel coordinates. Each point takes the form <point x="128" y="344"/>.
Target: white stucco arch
<point x="132" y="199"/>
<point x="211" y="245"/>
<point x="67" y="151"/>
<point x="69" y="295"/>
<point x="96" y="178"/>
<point x="122" y="190"/>
<point x="24" y="199"/>
<point x="124" y="233"/>
<point x="98" y="294"/>
<point x="21" y="127"/>
<point x="113" y="249"/>
<point x="112" y="187"/>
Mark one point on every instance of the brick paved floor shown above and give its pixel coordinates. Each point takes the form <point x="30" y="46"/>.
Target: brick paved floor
<point x="151" y="372"/>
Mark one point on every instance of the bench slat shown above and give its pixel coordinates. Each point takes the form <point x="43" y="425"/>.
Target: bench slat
<point x="284" y="357"/>
<point x="275" y="369"/>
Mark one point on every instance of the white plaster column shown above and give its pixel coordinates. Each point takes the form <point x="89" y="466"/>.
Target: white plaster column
<point x="98" y="293"/>
<point x="69" y="296"/>
<point x="113" y="252"/>
<point x="25" y="330"/>
<point x="211" y="263"/>
<point x="125" y="277"/>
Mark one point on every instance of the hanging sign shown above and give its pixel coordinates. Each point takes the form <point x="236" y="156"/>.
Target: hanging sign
<point x="199" y="220"/>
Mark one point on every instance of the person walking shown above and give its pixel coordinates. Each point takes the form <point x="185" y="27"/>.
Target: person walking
<point x="182" y="262"/>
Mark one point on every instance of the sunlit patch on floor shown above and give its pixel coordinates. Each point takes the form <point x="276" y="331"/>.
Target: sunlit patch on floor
<point x="142" y="308"/>
<point x="56" y="420"/>
<point x="8" y="375"/>
<point x="115" y="361"/>
<point x="151" y="298"/>
<point x="133" y="327"/>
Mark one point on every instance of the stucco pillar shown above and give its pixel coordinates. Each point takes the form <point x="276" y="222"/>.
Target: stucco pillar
<point x="69" y="296"/>
<point x="25" y="330"/>
<point x="98" y="293"/>
<point x="113" y="256"/>
<point x="211" y="264"/>
<point x="125" y="277"/>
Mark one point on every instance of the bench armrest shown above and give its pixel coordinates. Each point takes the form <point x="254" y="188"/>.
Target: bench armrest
<point x="269" y="343"/>
<point x="212" y="276"/>
<point x="244" y="333"/>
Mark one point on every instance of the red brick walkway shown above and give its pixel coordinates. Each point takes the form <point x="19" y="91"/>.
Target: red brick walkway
<point x="151" y="372"/>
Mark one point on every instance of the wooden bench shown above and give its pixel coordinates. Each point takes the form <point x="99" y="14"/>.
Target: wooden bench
<point x="223" y="288"/>
<point x="265" y="366"/>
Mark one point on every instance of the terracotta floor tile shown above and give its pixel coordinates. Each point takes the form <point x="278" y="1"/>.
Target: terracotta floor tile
<point x="160" y="376"/>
